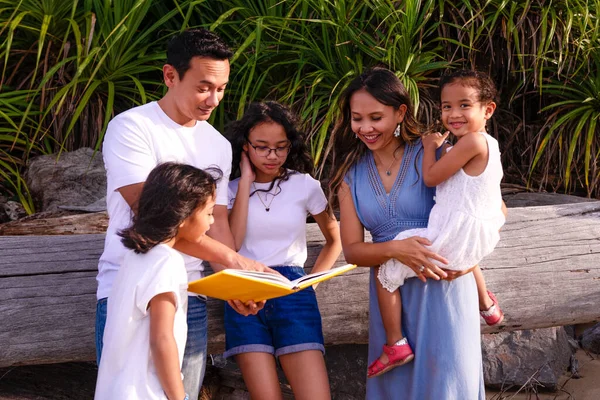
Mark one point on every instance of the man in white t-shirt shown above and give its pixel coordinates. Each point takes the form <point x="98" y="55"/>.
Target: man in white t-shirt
<point x="174" y="129"/>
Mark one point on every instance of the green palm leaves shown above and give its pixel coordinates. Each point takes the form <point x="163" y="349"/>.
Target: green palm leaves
<point x="68" y="66"/>
<point x="305" y="52"/>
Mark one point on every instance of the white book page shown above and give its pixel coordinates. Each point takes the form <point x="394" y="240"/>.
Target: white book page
<point x="307" y="278"/>
<point x="263" y="276"/>
<point x="317" y="275"/>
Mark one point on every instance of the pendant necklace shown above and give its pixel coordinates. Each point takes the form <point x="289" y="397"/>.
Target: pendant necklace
<point x="266" y="206"/>
<point x="388" y="171"/>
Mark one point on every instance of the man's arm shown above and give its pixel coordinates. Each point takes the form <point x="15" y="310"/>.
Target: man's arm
<point x="220" y="256"/>
<point x="221" y="232"/>
<point x="216" y="249"/>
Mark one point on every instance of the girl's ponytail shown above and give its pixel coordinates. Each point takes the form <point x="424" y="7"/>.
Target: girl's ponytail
<point x="135" y="241"/>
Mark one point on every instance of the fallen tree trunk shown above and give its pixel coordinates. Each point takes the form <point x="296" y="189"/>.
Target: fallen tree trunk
<point x="77" y="224"/>
<point x="545" y="272"/>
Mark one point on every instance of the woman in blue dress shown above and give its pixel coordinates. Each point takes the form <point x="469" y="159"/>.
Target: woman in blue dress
<point x="377" y="159"/>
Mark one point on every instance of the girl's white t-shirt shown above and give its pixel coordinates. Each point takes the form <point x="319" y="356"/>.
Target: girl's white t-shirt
<point x="126" y="368"/>
<point x="278" y="236"/>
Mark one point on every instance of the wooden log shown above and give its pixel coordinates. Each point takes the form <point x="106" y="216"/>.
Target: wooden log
<point x="78" y="224"/>
<point x="545" y="272"/>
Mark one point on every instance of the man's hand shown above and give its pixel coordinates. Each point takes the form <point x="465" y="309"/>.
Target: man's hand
<point x="247" y="264"/>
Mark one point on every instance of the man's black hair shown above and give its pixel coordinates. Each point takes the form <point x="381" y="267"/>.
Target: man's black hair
<point x="195" y="43"/>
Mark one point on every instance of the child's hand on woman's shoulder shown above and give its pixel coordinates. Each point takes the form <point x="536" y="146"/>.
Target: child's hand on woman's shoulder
<point x="434" y="140"/>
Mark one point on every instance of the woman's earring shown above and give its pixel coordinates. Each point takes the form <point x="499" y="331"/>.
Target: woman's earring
<point x="397" y="131"/>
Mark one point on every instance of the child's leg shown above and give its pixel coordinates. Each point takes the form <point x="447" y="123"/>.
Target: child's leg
<point x="307" y="374"/>
<point x="485" y="302"/>
<point x="397" y="351"/>
<point x="390" y="308"/>
<point x="260" y="375"/>
<point x="488" y="305"/>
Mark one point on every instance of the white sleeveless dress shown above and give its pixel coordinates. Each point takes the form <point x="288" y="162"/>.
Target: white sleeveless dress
<point x="464" y="223"/>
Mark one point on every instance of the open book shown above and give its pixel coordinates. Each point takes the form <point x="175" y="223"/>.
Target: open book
<point x="235" y="284"/>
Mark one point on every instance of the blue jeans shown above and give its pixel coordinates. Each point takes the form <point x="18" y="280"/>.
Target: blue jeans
<point x="101" y="309"/>
<point x="194" y="357"/>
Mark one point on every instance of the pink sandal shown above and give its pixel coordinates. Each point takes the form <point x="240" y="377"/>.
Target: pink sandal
<point x="494" y="314"/>
<point x="399" y="354"/>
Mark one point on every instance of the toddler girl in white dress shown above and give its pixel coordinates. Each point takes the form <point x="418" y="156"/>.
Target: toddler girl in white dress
<point x="464" y="223"/>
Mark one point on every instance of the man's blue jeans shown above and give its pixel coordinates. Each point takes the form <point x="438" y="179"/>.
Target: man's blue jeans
<point x="194" y="358"/>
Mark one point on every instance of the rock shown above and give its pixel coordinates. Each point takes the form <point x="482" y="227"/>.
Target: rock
<point x="49" y="382"/>
<point x="535" y="358"/>
<point x="350" y="384"/>
<point x="3" y="216"/>
<point x="590" y="340"/>
<point x="14" y="210"/>
<point x="77" y="178"/>
<point x="572" y="337"/>
<point x="97" y="206"/>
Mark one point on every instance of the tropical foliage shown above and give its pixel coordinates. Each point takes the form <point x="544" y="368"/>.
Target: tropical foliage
<point x="68" y="66"/>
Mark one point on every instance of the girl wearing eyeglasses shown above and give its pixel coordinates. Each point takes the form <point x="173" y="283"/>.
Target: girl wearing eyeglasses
<point x="269" y="202"/>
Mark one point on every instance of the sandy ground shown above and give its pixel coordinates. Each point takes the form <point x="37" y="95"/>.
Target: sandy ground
<point x="586" y="387"/>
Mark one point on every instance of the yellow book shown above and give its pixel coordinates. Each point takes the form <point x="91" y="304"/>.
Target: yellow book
<point x="235" y="284"/>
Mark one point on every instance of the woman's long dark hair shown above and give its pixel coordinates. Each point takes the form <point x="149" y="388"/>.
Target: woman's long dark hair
<point x="170" y="195"/>
<point x="346" y="149"/>
<point x="237" y="132"/>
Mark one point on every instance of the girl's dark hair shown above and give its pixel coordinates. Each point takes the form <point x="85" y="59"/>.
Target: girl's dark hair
<point x="386" y="88"/>
<point x="170" y="195"/>
<point x="475" y="79"/>
<point x="298" y="158"/>
<point x="191" y="43"/>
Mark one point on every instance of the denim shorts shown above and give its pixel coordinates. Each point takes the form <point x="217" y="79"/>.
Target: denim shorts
<point x="285" y="325"/>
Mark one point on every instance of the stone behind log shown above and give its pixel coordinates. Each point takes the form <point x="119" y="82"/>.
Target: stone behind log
<point x="535" y="358"/>
<point x="347" y="369"/>
<point x="77" y="178"/>
<point x="10" y="210"/>
<point x="590" y="340"/>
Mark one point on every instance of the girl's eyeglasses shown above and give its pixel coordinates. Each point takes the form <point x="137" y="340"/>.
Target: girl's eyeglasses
<point x="265" y="151"/>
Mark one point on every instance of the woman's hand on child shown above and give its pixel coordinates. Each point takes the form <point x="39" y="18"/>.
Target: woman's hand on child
<point x="456" y="274"/>
<point x="246" y="168"/>
<point x="435" y="140"/>
<point x="413" y="253"/>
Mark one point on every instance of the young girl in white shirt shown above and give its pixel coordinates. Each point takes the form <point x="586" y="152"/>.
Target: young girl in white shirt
<point x="146" y="326"/>
<point x="464" y="223"/>
<point x="269" y="203"/>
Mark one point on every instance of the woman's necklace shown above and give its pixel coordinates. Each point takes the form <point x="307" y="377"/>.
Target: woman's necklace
<point x="388" y="170"/>
<point x="266" y="206"/>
